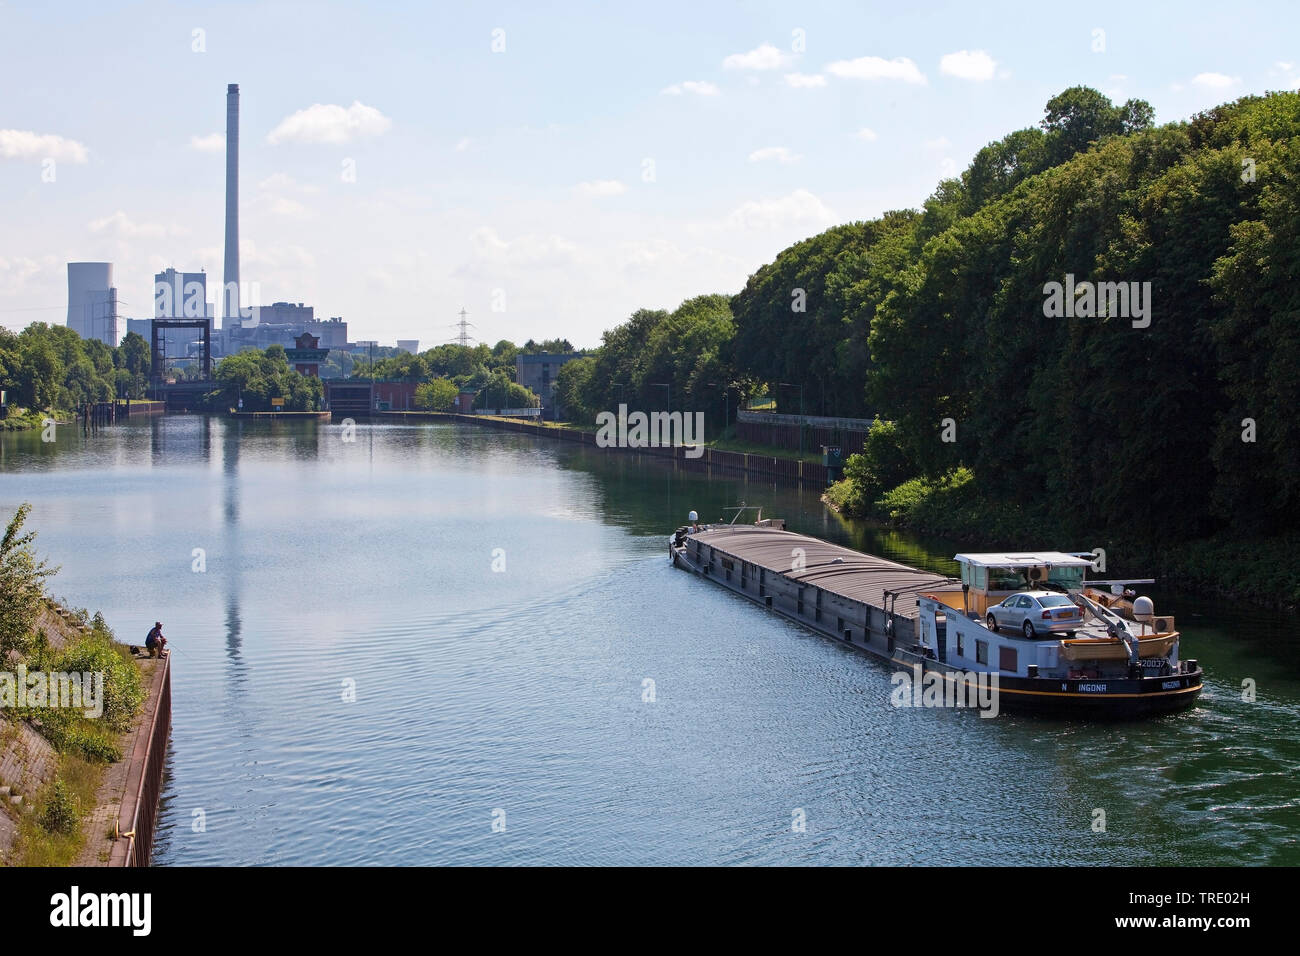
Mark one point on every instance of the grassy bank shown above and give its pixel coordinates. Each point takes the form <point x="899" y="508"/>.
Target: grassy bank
<point x="23" y="419"/>
<point x="53" y="832"/>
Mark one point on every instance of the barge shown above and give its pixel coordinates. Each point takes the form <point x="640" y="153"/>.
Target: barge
<point x="1071" y="651"/>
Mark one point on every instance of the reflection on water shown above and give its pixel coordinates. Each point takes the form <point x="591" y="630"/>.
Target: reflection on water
<point x="522" y="690"/>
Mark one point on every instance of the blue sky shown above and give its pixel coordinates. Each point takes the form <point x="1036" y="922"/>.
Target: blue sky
<point x="610" y="157"/>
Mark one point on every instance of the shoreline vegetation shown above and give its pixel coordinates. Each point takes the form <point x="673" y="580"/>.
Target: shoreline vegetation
<point x="1259" y="569"/>
<point x="62" y="754"/>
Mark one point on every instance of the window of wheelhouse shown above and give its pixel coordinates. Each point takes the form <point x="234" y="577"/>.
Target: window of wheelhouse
<point x="1067" y="578"/>
<point x="1004" y="579"/>
<point x="974" y="576"/>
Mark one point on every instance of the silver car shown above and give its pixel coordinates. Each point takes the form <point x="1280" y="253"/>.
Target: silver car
<point x="1036" y="612"/>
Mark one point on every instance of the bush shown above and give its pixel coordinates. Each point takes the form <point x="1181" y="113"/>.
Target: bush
<point x="123" y="686"/>
<point x="72" y="732"/>
<point x="883" y="462"/>
<point x="61" y="814"/>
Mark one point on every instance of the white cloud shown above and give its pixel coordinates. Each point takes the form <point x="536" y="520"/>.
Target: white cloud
<point x="330" y="123"/>
<point x="291" y="259"/>
<point x="877" y="68"/>
<point x="939" y="142"/>
<point x="14" y="273"/>
<point x="968" y="65"/>
<point x="804" y="81"/>
<point x="278" y="182"/>
<point x="463" y="144"/>
<point x="780" y="153"/>
<point x="290" y="208"/>
<point x="800" y="208"/>
<point x="763" y="57"/>
<point x="24" y="144"/>
<point x="120" y="226"/>
<point x="490" y="254"/>
<point x="698" y="87"/>
<point x="867" y="133"/>
<point x="598" y="188"/>
<point x="947" y="167"/>
<point x="1215" y="81"/>
<point x="212" y="143"/>
<point x="644" y="254"/>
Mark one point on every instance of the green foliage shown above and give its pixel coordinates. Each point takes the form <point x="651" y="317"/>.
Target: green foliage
<point x="500" y="391"/>
<point x="22" y="581"/>
<point x="70" y="732"/>
<point x="572" y="385"/>
<point x="49" y="367"/>
<point x="257" y="376"/>
<point x="658" y="360"/>
<point x="61" y="813"/>
<point x="438" y="395"/>
<point x="123" y="686"/>
<point x="882" y="464"/>
<point x="1086" y="422"/>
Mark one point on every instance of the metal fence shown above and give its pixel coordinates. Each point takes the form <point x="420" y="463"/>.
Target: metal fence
<point x="140" y="846"/>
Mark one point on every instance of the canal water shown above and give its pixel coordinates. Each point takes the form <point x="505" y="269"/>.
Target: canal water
<point x="438" y="644"/>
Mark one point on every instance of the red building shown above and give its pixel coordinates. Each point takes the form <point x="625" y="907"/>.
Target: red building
<point x="306" y="356"/>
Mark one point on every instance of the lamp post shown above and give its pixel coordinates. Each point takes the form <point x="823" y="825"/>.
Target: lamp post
<point x="726" y="408"/>
<point x="800" y="387"/>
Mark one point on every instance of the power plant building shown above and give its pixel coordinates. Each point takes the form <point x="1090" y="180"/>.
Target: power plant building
<point x="182" y="296"/>
<point x="92" y="301"/>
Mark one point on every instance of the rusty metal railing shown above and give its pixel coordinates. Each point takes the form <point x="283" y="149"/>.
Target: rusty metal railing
<point x="145" y="816"/>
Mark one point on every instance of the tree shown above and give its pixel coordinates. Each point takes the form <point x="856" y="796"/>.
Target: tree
<point x="22" y="584"/>
<point x="1080" y="116"/>
<point x="438" y="395"/>
<point x="572" y="382"/>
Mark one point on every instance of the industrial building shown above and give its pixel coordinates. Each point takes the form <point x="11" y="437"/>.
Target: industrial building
<point x="92" y="301"/>
<point x="180" y="296"/>
<point x="537" y="371"/>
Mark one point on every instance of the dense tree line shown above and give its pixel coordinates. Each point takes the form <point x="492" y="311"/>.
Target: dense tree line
<point x="1168" y="426"/>
<point x="1104" y="418"/>
<point x="52" y="368"/>
<point x="658" y="360"/>
<point x="488" y="371"/>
